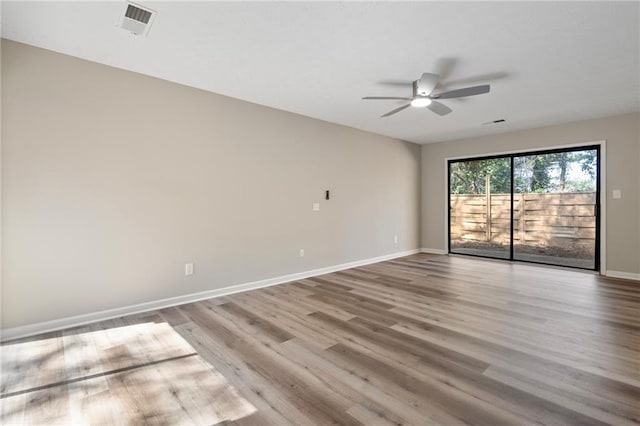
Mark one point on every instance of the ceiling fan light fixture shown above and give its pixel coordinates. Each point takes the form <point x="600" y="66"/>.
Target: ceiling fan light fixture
<point x="420" y="101"/>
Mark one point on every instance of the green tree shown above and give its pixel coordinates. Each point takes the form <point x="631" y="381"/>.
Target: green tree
<point x="532" y="173"/>
<point x="468" y="177"/>
<point x="564" y="161"/>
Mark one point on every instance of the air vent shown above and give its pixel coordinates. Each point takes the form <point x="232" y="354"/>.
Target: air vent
<point x="137" y="19"/>
<point x="502" y="120"/>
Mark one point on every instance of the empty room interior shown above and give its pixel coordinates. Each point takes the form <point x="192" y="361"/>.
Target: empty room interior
<point x="314" y="213"/>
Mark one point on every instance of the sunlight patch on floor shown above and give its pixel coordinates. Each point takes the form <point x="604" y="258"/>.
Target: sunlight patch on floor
<point x="122" y="375"/>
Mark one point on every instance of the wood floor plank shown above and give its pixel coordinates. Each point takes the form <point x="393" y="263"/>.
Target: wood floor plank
<point x="423" y="339"/>
<point x="306" y="394"/>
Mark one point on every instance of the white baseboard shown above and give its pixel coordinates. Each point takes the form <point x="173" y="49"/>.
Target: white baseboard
<point x="78" y="320"/>
<point x="623" y="275"/>
<point x="432" y="251"/>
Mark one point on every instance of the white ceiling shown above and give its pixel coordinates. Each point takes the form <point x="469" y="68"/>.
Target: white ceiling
<point x="547" y="62"/>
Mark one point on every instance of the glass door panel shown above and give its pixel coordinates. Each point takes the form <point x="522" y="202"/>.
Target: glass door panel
<point x="537" y="207"/>
<point x="555" y="208"/>
<point x="480" y="207"/>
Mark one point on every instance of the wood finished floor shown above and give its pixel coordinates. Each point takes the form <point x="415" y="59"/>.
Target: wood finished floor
<point x="418" y="340"/>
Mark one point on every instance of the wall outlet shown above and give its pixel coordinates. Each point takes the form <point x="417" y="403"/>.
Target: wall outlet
<point x="316" y="207"/>
<point x="395" y="239"/>
<point x="301" y="252"/>
<point x="188" y="268"/>
<point x="617" y="194"/>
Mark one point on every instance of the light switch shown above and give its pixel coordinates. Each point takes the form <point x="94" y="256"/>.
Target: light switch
<point x="617" y="194"/>
<point x="316" y="207"/>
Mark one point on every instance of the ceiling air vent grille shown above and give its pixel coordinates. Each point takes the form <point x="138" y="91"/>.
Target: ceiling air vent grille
<point x="137" y="14"/>
<point x="137" y="19"/>
<point x="501" y="120"/>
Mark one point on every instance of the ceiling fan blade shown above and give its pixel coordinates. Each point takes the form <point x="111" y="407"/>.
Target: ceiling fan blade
<point x="438" y="108"/>
<point x="427" y="83"/>
<point x="444" y="66"/>
<point x="395" y="83"/>
<point x="479" y="78"/>
<point x="385" y="98"/>
<point x="461" y="93"/>
<point x="394" y="111"/>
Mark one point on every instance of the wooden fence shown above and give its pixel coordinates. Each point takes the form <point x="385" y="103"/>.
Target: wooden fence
<point x="564" y="220"/>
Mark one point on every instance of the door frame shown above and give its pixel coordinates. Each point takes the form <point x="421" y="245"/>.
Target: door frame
<point x="601" y="223"/>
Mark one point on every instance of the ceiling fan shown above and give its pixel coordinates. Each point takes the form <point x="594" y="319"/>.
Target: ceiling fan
<point x="422" y="96"/>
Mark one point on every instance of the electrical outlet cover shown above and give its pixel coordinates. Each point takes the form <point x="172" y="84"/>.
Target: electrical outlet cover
<point x="188" y="269"/>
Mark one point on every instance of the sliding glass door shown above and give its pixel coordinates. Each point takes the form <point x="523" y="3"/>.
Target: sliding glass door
<point x="537" y="207"/>
<point x="556" y="208"/>
<point x="480" y="207"/>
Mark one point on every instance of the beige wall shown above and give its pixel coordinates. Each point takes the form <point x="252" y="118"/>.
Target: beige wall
<point x="112" y="181"/>
<point x="622" y="137"/>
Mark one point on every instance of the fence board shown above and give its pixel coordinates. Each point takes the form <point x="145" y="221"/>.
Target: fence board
<point x="557" y="219"/>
